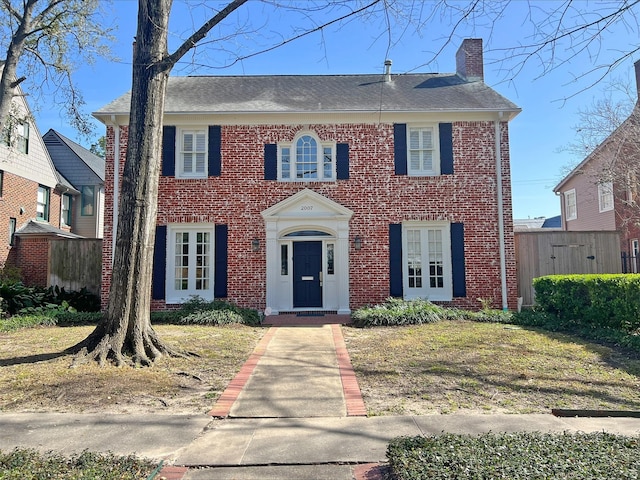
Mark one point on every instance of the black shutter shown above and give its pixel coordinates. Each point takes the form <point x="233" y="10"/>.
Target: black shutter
<point x="395" y="260"/>
<point x="214" y="149"/>
<point x="159" y="264"/>
<point x="400" y="148"/>
<point x="271" y="161"/>
<point x="457" y="260"/>
<point x="220" y="274"/>
<point x="168" y="151"/>
<point x="446" y="148"/>
<point x="342" y="161"/>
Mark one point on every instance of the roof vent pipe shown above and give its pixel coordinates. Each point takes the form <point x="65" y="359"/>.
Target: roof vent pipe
<point x="387" y="70"/>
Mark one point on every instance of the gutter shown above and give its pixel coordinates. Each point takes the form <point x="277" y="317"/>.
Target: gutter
<point x="116" y="186"/>
<point x="500" y="195"/>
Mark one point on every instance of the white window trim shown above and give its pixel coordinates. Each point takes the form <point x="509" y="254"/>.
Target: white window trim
<point x="567" y="194"/>
<point x="179" y="162"/>
<point x="63" y="219"/>
<point x="437" y="294"/>
<point x="173" y="296"/>
<point x="605" y="190"/>
<point x="436" y="150"/>
<point x="321" y="146"/>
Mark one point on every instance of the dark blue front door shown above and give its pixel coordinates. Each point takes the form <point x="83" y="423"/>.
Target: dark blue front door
<point x="307" y="268"/>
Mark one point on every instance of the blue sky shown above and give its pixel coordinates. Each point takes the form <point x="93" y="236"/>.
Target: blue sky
<point x="537" y="135"/>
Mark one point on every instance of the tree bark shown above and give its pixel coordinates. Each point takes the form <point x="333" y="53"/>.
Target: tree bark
<point x="126" y="328"/>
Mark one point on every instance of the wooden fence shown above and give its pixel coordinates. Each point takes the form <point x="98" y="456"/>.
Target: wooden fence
<point x="75" y="263"/>
<point x="559" y="252"/>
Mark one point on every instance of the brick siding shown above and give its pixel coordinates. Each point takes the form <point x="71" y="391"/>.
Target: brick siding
<point x="373" y="192"/>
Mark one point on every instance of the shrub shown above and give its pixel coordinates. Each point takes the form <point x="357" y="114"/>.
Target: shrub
<point x="396" y="311"/>
<point x="212" y="317"/>
<point x="28" y="463"/>
<point x="515" y="456"/>
<point x="18" y="298"/>
<point x="195" y="307"/>
<point x="604" y="301"/>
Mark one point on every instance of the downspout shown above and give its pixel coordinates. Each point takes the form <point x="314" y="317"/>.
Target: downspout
<point x="503" y="263"/>
<point x="116" y="186"/>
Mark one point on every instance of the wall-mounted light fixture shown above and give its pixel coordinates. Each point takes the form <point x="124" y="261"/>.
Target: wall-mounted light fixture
<point x="255" y="245"/>
<point x="357" y="243"/>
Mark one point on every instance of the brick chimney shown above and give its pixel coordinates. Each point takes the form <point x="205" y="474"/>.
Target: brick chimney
<point x="469" y="62"/>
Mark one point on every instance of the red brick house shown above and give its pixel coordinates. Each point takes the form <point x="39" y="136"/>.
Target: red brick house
<point x="35" y="200"/>
<point x="601" y="192"/>
<point x="325" y="193"/>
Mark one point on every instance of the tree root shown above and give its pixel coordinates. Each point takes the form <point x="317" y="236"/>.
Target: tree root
<point x="105" y="349"/>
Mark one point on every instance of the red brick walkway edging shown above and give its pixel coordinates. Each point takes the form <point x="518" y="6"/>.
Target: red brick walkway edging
<point x="350" y="387"/>
<point x="223" y="406"/>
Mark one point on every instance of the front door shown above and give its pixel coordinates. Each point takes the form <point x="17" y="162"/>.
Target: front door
<point x="307" y="274"/>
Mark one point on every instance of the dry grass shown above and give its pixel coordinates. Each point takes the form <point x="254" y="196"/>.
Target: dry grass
<point x="34" y="376"/>
<point x="461" y="367"/>
<point x="444" y="367"/>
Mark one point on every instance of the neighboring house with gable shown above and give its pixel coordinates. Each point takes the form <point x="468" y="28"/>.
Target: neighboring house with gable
<point x="601" y="193"/>
<point x="32" y="197"/>
<point x="295" y="193"/>
<point x="84" y="172"/>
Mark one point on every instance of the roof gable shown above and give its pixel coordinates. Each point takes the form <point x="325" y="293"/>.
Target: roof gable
<point x="74" y="162"/>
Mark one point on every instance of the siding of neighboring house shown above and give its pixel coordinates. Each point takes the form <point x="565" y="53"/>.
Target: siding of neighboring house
<point x="585" y="184"/>
<point x="82" y="169"/>
<point x="22" y="174"/>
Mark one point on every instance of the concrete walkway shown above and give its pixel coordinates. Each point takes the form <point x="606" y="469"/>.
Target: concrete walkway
<point x="293" y="412"/>
<point x="297" y="376"/>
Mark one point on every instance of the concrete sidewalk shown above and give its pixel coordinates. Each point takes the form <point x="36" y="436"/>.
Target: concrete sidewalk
<point x="264" y="448"/>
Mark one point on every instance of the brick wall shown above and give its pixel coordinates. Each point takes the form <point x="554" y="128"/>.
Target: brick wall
<point x="18" y="200"/>
<point x="377" y="196"/>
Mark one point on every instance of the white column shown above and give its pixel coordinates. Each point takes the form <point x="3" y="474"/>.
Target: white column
<point x="342" y="267"/>
<point x="272" y="302"/>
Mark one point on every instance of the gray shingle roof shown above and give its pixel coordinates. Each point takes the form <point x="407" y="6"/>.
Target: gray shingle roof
<point x="33" y="227"/>
<point x="315" y="93"/>
<point x="65" y="154"/>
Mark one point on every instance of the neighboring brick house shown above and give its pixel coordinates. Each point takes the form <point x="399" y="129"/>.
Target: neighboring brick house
<point x="601" y="193"/>
<point x="85" y="172"/>
<point x="32" y="197"/>
<point x="302" y="193"/>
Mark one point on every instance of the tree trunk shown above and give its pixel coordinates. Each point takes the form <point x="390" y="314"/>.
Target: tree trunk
<point x="126" y="328"/>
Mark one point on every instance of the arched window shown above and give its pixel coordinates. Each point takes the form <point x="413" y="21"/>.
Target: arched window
<point x="307" y="159"/>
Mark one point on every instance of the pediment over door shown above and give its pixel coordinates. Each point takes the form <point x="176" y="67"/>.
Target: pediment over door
<point x="307" y="204"/>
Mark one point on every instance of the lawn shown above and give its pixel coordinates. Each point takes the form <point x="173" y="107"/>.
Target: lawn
<point x="468" y="367"/>
<point x="35" y="375"/>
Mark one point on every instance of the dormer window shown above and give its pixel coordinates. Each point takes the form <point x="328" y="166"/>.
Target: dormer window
<point x="306" y="159"/>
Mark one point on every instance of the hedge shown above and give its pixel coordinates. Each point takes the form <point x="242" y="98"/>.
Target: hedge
<point x="603" y="301"/>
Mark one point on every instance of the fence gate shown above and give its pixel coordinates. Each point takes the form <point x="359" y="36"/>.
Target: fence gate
<point x="542" y="253"/>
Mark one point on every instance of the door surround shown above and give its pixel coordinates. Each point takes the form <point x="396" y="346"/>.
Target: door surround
<point x="306" y="210"/>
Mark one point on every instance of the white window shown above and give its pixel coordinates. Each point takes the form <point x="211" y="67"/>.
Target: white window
<point x="87" y="200"/>
<point x="192" y="155"/>
<point x="65" y="213"/>
<point x="22" y="137"/>
<point x="570" y="205"/>
<point x="605" y="196"/>
<point x="426" y="257"/>
<point x="306" y="159"/>
<point x="423" y="150"/>
<point x="190" y="262"/>
<point x="42" y="203"/>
